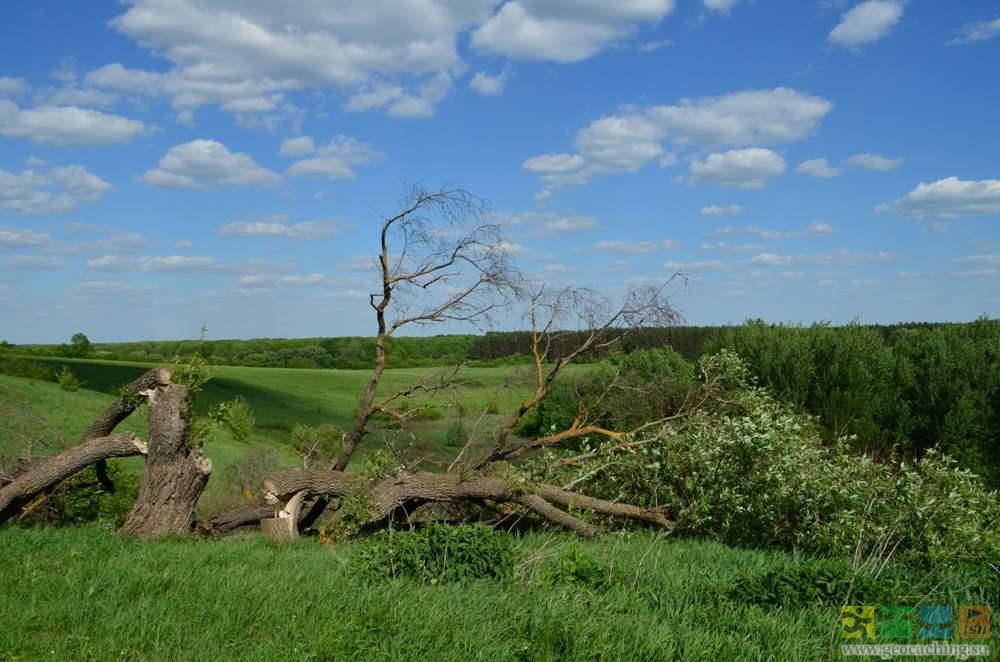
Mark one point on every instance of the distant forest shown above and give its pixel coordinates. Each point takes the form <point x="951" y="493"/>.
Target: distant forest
<point x="492" y="348"/>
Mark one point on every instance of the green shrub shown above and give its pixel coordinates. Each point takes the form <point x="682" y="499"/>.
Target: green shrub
<point x="456" y="435"/>
<point x="749" y="470"/>
<point x="18" y="367"/>
<point x="438" y="553"/>
<point x="576" y="566"/>
<point x="236" y="417"/>
<point x="67" y="380"/>
<point x="316" y="443"/>
<point x="81" y="499"/>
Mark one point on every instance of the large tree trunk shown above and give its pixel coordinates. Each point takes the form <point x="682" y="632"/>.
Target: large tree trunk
<point x="43" y="474"/>
<point x="119" y="410"/>
<point x="175" y="474"/>
<point x="407" y="491"/>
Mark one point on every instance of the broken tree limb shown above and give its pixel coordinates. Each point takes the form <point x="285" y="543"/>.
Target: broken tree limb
<point x="119" y="410"/>
<point x="231" y="521"/>
<point x="406" y="491"/>
<point x="46" y="473"/>
<point x="176" y="474"/>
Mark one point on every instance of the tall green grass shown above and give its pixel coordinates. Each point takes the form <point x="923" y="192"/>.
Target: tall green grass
<point x="85" y="594"/>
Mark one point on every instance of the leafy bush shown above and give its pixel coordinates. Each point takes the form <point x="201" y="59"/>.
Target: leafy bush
<point x="749" y="470"/>
<point x="316" y="443"/>
<point x="456" y="435"/>
<point x="67" y="380"/>
<point x="236" y="417"/>
<point x="438" y="553"/>
<point x="576" y="566"/>
<point x="18" y="367"/>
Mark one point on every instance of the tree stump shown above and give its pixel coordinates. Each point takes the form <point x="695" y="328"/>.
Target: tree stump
<point x="175" y="474"/>
<point x="284" y="526"/>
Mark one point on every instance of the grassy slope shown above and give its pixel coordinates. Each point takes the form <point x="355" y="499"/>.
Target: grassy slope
<point x="281" y="397"/>
<point x="86" y="594"/>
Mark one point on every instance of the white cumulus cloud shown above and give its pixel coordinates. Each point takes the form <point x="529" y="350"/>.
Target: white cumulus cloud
<point x="948" y="198"/>
<point x="66" y="126"/>
<point x="866" y="22"/>
<point x="207" y="164"/>
<point x="739" y="168"/>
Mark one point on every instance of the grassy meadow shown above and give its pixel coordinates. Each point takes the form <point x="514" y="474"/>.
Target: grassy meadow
<point x="86" y="593"/>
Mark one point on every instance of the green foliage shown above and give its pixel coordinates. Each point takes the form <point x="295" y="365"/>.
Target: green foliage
<point x="905" y="390"/>
<point x="438" y="553"/>
<point x="379" y="464"/>
<point x="457" y="434"/>
<point x="578" y="567"/>
<point x="236" y="417"/>
<point x="320" y="443"/>
<point x="82" y="500"/>
<point x="67" y="380"/>
<point x="19" y="367"/>
<point x="80" y="345"/>
<point x="749" y="470"/>
<point x="622" y="393"/>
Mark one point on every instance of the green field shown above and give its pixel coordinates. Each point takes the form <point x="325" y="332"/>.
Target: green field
<point x="279" y="398"/>
<point x="88" y="595"/>
<point x="85" y="593"/>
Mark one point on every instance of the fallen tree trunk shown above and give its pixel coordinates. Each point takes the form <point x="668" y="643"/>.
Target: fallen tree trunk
<point x="236" y="519"/>
<point x="46" y="473"/>
<point x="175" y="474"/>
<point x="408" y="490"/>
<point x="130" y="398"/>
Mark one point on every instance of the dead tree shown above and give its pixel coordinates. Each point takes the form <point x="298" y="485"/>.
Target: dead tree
<point x="176" y="473"/>
<point x="399" y="495"/>
<point x="438" y="261"/>
<point x="96" y="447"/>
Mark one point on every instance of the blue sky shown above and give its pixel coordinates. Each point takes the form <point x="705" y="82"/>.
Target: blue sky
<point x="168" y="163"/>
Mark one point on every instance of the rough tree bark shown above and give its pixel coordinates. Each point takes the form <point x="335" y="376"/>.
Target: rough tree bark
<point x="43" y="474"/>
<point x="175" y="474"/>
<point x="119" y="410"/>
<point x="406" y="491"/>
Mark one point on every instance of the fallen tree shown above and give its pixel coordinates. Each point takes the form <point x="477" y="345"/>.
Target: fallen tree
<point x="470" y="268"/>
<point x="39" y="476"/>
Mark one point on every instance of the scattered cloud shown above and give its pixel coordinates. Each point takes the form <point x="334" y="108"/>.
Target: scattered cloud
<point x="299" y="146"/>
<point x="739" y="168"/>
<point x="55" y="191"/>
<point x="632" y="138"/>
<point x="336" y="159"/>
<point x="948" y="198"/>
<point x="650" y="46"/>
<point x="816" y="228"/>
<point x="277" y="226"/>
<point x="183" y="264"/>
<point x="696" y="266"/>
<point x="975" y="273"/>
<point x="866" y="22"/>
<point x="720" y="6"/>
<point x="870" y="161"/>
<point x="31" y="263"/>
<point x="730" y="248"/>
<point x="12" y="238"/>
<point x="841" y="258"/>
<point x="489" y="86"/>
<point x="971" y="33"/>
<point x="715" y="211"/>
<point x="66" y="126"/>
<point x="207" y="164"/>
<point x="818" y="168"/>
<point x="564" y="31"/>
<point x="12" y="87"/>
<point x="633" y="247"/>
